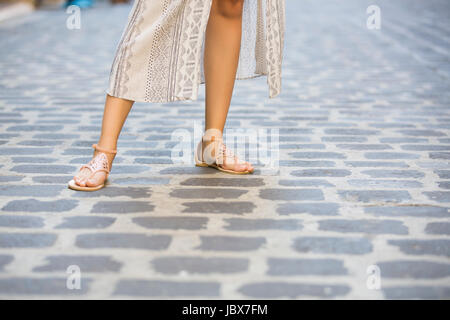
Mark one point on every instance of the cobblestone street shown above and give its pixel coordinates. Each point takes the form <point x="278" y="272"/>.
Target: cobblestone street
<point x="364" y="179"/>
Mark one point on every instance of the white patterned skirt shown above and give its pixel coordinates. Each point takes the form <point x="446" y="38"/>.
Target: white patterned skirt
<point x="160" y="54"/>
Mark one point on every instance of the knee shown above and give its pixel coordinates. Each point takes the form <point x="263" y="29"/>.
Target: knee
<point x="231" y="9"/>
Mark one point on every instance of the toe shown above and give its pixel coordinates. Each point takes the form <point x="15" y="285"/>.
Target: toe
<point x="95" y="180"/>
<point x="91" y="183"/>
<point x="241" y="167"/>
<point x="81" y="182"/>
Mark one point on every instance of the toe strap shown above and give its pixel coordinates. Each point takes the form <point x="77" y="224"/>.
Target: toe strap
<point x="98" y="163"/>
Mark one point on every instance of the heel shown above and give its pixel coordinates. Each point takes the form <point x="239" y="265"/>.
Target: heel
<point x="198" y="162"/>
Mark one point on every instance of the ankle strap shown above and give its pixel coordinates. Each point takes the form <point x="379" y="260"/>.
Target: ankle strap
<point x="96" y="147"/>
<point x="212" y="138"/>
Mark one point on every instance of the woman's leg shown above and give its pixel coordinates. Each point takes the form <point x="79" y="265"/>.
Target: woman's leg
<point x="114" y="116"/>
<point x="222" y="47"/>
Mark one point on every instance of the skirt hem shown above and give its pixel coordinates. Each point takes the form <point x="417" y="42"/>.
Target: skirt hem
<point x="174" y="98"/>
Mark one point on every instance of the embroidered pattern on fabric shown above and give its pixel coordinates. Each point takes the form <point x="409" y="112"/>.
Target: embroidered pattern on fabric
<point x="163" y="46"/>
<point x="124" y="53"/>
<point x="159" y="66"/>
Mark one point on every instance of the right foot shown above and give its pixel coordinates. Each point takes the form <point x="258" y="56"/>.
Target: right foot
<point x="212" y="152"/>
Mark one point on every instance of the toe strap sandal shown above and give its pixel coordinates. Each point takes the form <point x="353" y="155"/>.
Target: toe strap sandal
<point x="203" y="158"/>
<point x="98" y="163"/>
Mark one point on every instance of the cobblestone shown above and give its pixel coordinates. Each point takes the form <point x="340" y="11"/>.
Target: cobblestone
<point x="363" y="179"/>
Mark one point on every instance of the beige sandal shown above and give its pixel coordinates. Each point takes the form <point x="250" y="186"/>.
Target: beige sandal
<point x="220" y="155"/>
<point x="98" y="163"/>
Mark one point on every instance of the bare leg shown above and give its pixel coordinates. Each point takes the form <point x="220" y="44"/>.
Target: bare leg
<point x="222" y="47"/>
<point x="114" y="116"/>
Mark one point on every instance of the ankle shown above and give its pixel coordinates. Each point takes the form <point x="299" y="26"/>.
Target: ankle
<point x="212" y="134"/>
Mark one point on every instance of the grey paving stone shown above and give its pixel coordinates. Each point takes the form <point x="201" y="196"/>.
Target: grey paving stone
<point x="438" y="228"/>
<point x="439" y="196"/>
<point x="14" y="221"/>
<point x="159" y="288"/>
<point x="360" y="146"/>
<point x="112" y="191"/>
<point x="11" y="178"/>
<point x="333" y="245"/>
<point x="415" y="269"/>
<point x="223" y="182"/>
<point x="438" y="247"/>
<point x="122" y="207"/>
<point x="321" y="173"/>
<point x="32" y="205"/>
<point x="318" y="208"/>
<point x="33" y="160"/>
<point x="394" y="173"/>
<point x="141" y="181"/>
<point x="123" y="240"/>
<point x="292" y="290"/>
<point x="24" y="151"/>
<point x="187" y="170"/>
<point x="84" y="262"/>
<point x="31" y="190"/>
<point x="343" y="139"/>
<point x="230" y="243"/>
<point x="443" y="174"/>
<point x="317" y="155"/>
<point x="26" y="240"/>
<point x="421" y="133"/>
<point x="35" y="128"/>
<point x="172" y="223"/>
<point x="302" y="146"/>
<point x="374" y="195"/>
<point x="35" y="168"/>
<point x="408" y="211"/>
<point x="40" y="143"/>
<point x="364" y="226"/>
<point x="235" y="207"/>
<point x="53" y="179"/>
<point x="402" y="140"/>
<point x="291" y="194"/>
<point x="351" y="131"/>
<point x="206" y="193"/>
<point x="439" y="155"/>
<point x="5" y="259"/>
<point x="86" y="222"/>
<point x="385" y="183"/>
<point x="390" y="155"/>
<point x="240" y="224"/>
<point x="444" y="184"/>
<point x="375" y="164"/>
<point x="424" y="147"/>
<point x="42" y="286"/>
<point x="128" y="169"/>
<point x="416" y="292"/>
<point x="58" y="136"/>
<point x="306" y="163"/>
<point x="199" y="265"/>
<point x="305" y="183"/>
<point x="292" y="266"/>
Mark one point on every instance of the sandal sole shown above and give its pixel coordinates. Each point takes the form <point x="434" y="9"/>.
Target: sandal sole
<point x="72" y="185"/>
<point x="223" y="170"/>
